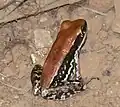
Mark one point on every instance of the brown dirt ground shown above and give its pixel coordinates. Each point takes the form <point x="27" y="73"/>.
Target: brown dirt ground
<point x="100" y="57"/>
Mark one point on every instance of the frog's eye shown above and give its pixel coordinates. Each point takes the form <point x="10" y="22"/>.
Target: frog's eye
<point x="84" y="28"/>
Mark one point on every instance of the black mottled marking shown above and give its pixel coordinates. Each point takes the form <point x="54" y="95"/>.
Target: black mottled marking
<point x="36" y="75"/>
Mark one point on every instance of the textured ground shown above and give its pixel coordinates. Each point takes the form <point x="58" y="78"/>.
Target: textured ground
<point x="34" y="35"/>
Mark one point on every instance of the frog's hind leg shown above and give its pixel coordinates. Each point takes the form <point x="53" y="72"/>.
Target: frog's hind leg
<point x="35" y="79"/>
<point x="65" y="91"/>
<point x="62" y="92"/>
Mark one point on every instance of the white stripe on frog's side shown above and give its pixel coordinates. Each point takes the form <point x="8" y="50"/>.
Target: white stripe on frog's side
<point x="77" y="59"/>
<point x="84" y="35"/>
<point x="72" y="75"/>
<point x="76" y="69"/>
<point x="71" y="66"/>
<point x="77" y="53"/>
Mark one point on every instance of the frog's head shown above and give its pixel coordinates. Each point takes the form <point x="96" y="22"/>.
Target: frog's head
<point x="75" y="32"/>
<point x="81" y="33"/>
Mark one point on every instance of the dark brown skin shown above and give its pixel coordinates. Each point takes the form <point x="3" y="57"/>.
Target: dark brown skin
<point x="66" y="37"/>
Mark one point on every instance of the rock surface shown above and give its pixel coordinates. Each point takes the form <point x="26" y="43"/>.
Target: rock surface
<point x="101" y="5"/>
<point x="116" y="23"/>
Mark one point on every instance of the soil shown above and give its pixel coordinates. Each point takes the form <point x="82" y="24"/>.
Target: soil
<point x="34" y="35"/>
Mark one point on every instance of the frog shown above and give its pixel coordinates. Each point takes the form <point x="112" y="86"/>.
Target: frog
<point x="59" y="78"/>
